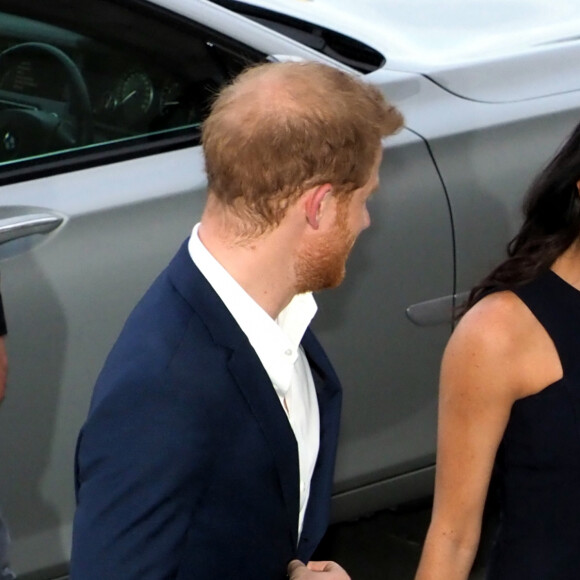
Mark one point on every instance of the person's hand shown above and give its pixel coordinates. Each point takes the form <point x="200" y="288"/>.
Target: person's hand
<point x="316" y="571"/>
<point x="3" y="367"/>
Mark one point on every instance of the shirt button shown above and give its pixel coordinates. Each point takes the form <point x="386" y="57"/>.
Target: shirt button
<point x="288" y="352"/>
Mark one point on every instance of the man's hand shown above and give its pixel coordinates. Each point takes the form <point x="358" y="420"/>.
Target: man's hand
<point x="316" y="571"/>
<point x="3" y="367"/>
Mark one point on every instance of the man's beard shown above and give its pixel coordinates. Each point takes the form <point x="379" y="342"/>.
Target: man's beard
<point x="324" y="266"/>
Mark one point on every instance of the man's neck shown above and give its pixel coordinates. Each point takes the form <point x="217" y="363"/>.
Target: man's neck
<point x="262" y="266"/>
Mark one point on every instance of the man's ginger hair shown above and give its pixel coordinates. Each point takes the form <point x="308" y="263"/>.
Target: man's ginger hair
<point x="279" y="129"/>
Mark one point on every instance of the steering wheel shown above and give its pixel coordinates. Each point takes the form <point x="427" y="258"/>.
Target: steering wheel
<point x="25" y="129"/>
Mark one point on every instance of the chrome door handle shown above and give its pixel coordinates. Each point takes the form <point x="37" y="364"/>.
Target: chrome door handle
<point x="21" y="226"/>
<point x="436" y="311"/>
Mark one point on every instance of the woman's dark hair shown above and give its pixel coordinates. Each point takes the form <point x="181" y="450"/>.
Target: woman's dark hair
<point x="551" y="224"/>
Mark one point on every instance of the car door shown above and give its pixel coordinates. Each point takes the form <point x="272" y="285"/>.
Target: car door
<point x="101" y="178"/>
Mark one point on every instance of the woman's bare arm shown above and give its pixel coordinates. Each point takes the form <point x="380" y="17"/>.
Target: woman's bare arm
<point x="480" y="379"/>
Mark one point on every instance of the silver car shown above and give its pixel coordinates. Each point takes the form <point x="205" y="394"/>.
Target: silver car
<point x="101" y="178"/>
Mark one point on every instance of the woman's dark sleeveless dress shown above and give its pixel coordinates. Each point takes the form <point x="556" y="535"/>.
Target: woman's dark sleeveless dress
<point x="538" y="462"/>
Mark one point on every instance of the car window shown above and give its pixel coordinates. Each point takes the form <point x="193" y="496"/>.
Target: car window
<point x="92" y="81"/>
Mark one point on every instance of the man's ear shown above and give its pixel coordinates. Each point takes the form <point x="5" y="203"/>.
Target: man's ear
<point x="578" y="185"/>
<point x="315" y="203"/>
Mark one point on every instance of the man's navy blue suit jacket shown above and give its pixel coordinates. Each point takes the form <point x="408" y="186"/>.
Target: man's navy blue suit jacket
<point x="187" y="466"/>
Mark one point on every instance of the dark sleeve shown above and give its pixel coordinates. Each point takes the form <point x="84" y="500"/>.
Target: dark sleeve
<point x="141" y="460"/>
<point x="3" y="329"/>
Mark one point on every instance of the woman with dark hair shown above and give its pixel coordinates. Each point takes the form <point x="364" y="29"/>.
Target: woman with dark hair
<point x="510" y="398"/>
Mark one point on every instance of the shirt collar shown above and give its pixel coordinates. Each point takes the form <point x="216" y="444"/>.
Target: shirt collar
<point x="276" y="342"/>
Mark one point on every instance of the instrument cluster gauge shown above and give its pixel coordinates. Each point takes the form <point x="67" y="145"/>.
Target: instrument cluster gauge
<point x="107" y="104"/>
<point x="135" y="96"/>
<point x="170" y="97"/>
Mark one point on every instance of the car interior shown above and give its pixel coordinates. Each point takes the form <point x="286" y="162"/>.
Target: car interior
<point x="84" y="82"/>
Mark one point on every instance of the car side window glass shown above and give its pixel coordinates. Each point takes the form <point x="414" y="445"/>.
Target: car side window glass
<point x="79" y="77"/>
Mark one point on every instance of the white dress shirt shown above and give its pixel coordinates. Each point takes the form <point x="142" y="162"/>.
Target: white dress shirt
<point x="277" y="344"/>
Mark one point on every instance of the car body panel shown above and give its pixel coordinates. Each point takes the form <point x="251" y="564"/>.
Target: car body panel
<point x="424" y="33"/>
<point x="488" y="154"/>
<point x="510" y="51"/>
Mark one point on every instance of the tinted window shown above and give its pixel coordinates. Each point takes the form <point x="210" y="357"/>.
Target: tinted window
<point x="94" y="80"/>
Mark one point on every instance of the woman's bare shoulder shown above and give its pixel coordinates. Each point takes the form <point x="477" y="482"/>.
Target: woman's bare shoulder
<point x="496" y="322"/>
<point x="501" y="336"/>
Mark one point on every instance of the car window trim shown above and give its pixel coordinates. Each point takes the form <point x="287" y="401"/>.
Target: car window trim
<point x="101" y="155"/>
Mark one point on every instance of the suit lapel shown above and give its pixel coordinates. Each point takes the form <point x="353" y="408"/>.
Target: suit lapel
<point x="248" y="374"/>
<point x="329" y="395"/>
<point x="261" y="397"/>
